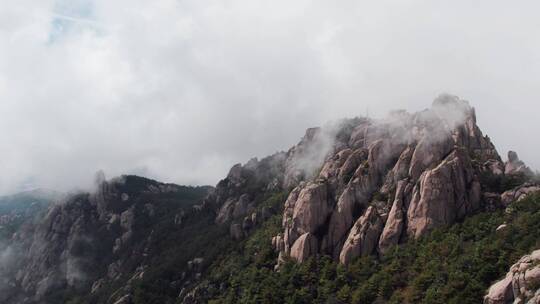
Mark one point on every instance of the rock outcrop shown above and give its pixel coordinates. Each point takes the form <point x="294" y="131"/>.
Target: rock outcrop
<point x="515" y="166"/>
<point x="519" y="193"/>
<point x="312" y="204"/>
<point x="304" y="247"/>
<point x="356" y="187"/>
<point x="87" y="240"/>
<point x="363" y="237"/>
<point x="444" y="194"/>
<point x="395" y="223"/>
<point x="520" y="285"/>
<point x="407" y="174"/>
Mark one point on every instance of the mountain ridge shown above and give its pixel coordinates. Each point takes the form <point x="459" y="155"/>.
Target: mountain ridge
<point x="355" y="188"/>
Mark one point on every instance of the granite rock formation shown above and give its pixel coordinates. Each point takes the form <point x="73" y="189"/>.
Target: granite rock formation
<point x="520" y="285"/>
<point x="385" y="181"/>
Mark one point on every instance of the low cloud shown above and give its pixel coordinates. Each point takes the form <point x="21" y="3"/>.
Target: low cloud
<point x="181" y="90"/>
<point x="7" y="257"/>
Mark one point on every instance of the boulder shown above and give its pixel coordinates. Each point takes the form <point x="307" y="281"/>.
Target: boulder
<point x="520" y="285"/>
<point x="309" y="211"/>
<point x="444" y="194"/>
<point x="500" y="292"/>
<point x="242" y="207"/>
<point x="340" y="221"/>
<point x="234" y="209"/>
<point x="396" y="220"/>
<point x="518" y="193"/>
<point x="311" y="208"/>
<point x="225" y="212"/>
<point x="363" y="238"/>
<point x="501" y="228"/>
<point x="515" y="166"/>
<point x="304" y="247"/>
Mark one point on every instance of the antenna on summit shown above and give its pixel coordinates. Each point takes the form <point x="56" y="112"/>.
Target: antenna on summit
<point x="367" y="112"/>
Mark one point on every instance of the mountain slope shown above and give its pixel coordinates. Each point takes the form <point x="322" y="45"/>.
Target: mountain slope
<point x="95" y="241"/>
<point x="380" y="183"/>
<point x="22" y="207"/>
<point x="18" y="213"/>
<point x="456" y="264"/>
<point x="402" y="209"/>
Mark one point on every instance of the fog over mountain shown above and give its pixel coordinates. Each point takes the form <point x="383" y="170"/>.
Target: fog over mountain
<point x="181" y="90"/>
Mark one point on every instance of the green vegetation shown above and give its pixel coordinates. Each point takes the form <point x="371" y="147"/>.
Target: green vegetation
<point x="171" y="246"/>
<point x="379" y="197"/>
<point x="501" y="183"/>
<point x="20" y="208"/>
<point x="451" y="265"/>
<point x="27" y="201"/>
<point x="160" y="241"/>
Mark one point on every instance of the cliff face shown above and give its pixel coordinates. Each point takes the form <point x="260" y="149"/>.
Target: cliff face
<point x="17" y="214"/>
<point x="383" y="182"/>
<point x="237" y="197"/>
<point x="361" y="186"/>
<point x="92" y="240"/>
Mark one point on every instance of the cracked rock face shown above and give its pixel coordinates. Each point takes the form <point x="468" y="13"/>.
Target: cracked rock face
<point x="85" y="232"/>
<point x="444" y="194"/>
<point x="363" y="237"/>
<point x="520" y="285"/>
<point x="383" y="181"/>
<point x="304" y="247"/>
<point x="396" y="219"/>
<point x="310" y="209"/>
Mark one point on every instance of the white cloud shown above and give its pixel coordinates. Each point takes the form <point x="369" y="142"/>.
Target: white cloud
<point x="181" y="90"/>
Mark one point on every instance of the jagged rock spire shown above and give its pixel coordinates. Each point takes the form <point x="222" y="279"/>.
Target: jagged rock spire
<point x="386" y="180"/>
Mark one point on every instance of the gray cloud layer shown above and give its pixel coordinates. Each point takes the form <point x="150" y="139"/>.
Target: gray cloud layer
<point x="181" y="90"/>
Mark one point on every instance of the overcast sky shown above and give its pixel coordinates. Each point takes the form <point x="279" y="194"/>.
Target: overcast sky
<point x="181" y="90"/>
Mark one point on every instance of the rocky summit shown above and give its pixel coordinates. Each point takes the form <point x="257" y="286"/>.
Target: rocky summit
<point x="413" y="208"/>
<point x="387" y="181"/>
